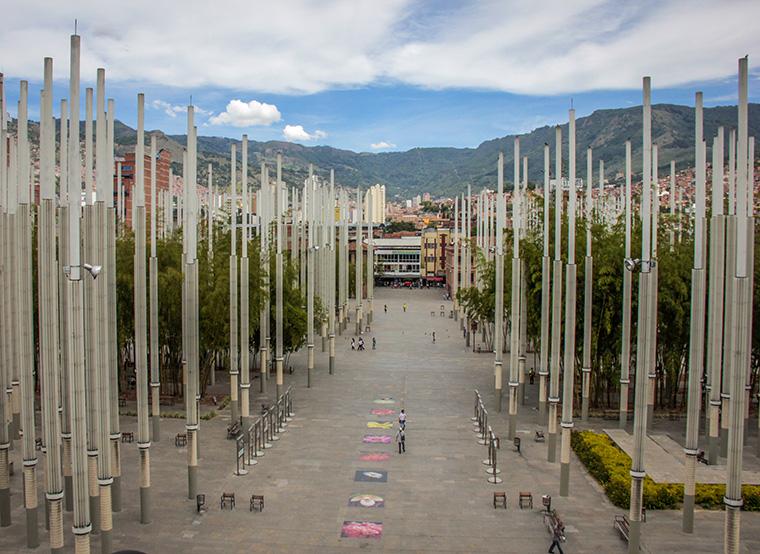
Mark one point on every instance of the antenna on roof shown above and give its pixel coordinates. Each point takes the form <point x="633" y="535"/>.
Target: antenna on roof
<point x="571" y="103"/>
<point x="75" y="26"/>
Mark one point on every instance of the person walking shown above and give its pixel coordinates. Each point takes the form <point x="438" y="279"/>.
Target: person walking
<point x="385" y="307"/>
<point x="401" y="440"/>
<point x="433" y="336"/>
<point x="558" y="536"/>
<point x="361" y="343"/>
<point x="374" y="343"/>
<point x="353" y="343"/>
<point x="402" y="419"/>
<point x="404" y="306"/>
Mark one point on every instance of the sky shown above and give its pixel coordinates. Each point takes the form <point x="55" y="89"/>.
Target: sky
<point x="377" y="76"/>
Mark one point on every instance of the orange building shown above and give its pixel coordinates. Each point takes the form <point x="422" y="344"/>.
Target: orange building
<point x="128" y="181"/>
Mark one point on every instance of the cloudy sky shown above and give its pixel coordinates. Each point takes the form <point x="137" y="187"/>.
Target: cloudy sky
<point x="372" y="75"/>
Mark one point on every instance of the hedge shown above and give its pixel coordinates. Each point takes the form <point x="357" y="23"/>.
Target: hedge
<point x="610" y="466"/>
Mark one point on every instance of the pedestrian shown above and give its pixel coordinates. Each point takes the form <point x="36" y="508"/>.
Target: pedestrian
<point x="361" y="343"/>
<point x="374" y="343"/>
<point x="402" y="420"/>
<point x="401" y="440"/>
<point x="558" y="536"/>
<point x="385" y="307"/>
<point x="353" y="343"/>
<point x="404" y="306"/>
<point x="433" y="336"/>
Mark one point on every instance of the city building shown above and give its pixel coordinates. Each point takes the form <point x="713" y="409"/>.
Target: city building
<point x="128" y="180"/>
<point x="433" y="254"/>
<point x="397" y="260"/>
<point x="377" y="194"/>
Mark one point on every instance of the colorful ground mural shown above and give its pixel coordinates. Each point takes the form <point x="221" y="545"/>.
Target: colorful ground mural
<point x="376" y="439"/>
<point x="380" y="425"/>
<point x="375" y="457"/>
<point x="366" y="501"/>
<point x="362" y="530"/>
<point x="383" y="412"/>
<point x="371" y="476"/>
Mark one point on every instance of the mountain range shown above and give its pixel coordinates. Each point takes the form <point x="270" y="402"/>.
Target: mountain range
<point x="447" y="171"/>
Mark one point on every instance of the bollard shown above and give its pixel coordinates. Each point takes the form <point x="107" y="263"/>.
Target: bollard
<point x="483" y="437"/>
<point x="477" y="401"/>
<point x="494" y="444"/>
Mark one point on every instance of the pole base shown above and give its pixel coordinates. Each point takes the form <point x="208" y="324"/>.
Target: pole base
<point x="156" y="429"/>
<point x="5" y="507"/>
<point x="116" y="494"/>
<point x="332" y="365"/>
<point x="623" y="420"/>
<point x="106" y="542"/>
<point x="145" y="515"/>
<point x="494" y="480"/>
<point x="552" y="452"/>
<point x="584" y="409"/>
<point x="542" y="413"/>
<point x="724" y="443"/>
<point x="68" y="493"/>
<point x="192" y="481"/>
<point x="493" y="471"/>
<point x="713" y="448"/>
<point x="564" y="479"/>
<point x="95" y="514"/>
<point x="32" y="533"/>
<point x="241" y="471"/>
<point x="688" y="513"/>
<point x="512" y="430"/>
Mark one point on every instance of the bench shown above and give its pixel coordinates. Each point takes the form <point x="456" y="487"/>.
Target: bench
<point x="200" y="502"/>
<point x="623" y="526"/>
<point x="257" y="502"/>
<point x="180" y="440"/>
<point x="701" y="458"/>
<point x="500" y="498"/>
<point x="233" y="430"/>
<point x="228" y="499"/>
<point x="516" y="442"/>
<point x="526" y="500"/>
<point x="127" y="436"/>
<point x="122" y="401"/>
<point x="539" y="436"/>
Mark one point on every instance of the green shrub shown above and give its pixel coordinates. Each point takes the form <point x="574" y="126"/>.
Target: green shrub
<point x="610" y="466"/>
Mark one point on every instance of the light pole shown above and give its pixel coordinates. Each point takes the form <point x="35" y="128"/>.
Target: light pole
<point x="697" y="329"/>
<point x="278" y="276"/>
<point x="625" y="350"/>
<point x="514" y="320"/>
<point x="263" y="207"/>
<point x="644" y="331"/>
<point x="311" y="247"/>
<point x="155" y="383"/>
<point x="568" y="378"/>
<point x="245" y="367"/>
<point x="330" y="280"/>
<point x="543" y="371"/>
<point x="5" y="386"/>
<point x="358" y="269"/>
<point x="234" y="346"/>
<point x="587" y="291"/>
<point x="556" y="300"/>
<point x="499" y="301"/>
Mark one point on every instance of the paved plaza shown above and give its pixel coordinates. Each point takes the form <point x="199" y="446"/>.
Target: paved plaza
<point x="323" y="484"/>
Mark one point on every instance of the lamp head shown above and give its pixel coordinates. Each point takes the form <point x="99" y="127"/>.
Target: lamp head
<point x="93" y="270"/>
<point x="632" y="264"/>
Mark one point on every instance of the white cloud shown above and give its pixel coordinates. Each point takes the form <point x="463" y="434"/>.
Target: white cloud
<point x="247" y="114"/>
<point x="382" y="145"/>
<point x="172" y="110"/>
<point x="302" y="46"/>
<point x="297" y="133"/>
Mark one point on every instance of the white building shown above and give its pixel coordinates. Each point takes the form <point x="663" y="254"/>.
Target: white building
<point x="377" y="193"/>
<point x="397" y="258"/>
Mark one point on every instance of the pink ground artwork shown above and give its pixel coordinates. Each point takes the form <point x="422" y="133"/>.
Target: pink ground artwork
<point x="362" y="529"/>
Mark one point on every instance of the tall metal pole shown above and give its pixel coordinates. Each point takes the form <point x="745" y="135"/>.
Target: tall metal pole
<point x="261" y="208"/>
<point x="523" y="330"/>
<point x="331" y="271"/>
<point x="454" y="288"/>
<point x="653" y="291"/>
<point x="100" y="228"/>
<point x="643" y="337"/>
<point x="587" y="291"/>
<point x="48" y="318"/>
<point x="543" y="371"/>
<point x="141" y="328"/>
<point x="308" y="195"/>
<point x="155" y="370"/>
<point x="5" y="321"/>
<point x="514" y="320"/>
<point x="234" y="346"/>
<point x="499" y="301"/>
<point x="359" y="252"/>
<point x="697" y="329"/>
<point x="556" y="300"/>
<point x="75" y="321"/>
<point x="568" y="378"/>
<point x="370" y="256"/>
<point x="191" y="312"/>
<point x="24" y="336"/>
<point x="730" y="261"/>
<point x="625" y="350"/>
<point x="739" y="340"/>
<point x="245" y="367"/>
<point x="278" y="359"/>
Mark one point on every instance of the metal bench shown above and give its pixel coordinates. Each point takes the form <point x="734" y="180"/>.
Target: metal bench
<point x="623" y="526"/>
<point x="500" y="499"/>
<point x="122" y="401"/>
<point x="127" y="436"/>
<point x="539" y="436"/>
<point x="516" y="442"/>
<point x="180" y="440"/>
<point x="233" y="430"/>
<point x="257" y="502"/>
<point x="526" y="500"/>
<point x="200" y="502"/>
<point x="228" y="499"/>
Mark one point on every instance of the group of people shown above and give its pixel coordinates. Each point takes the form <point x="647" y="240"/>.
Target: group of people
<point x="359" y="345"/>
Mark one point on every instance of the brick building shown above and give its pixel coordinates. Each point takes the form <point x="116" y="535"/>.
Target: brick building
<point x="128" y="181"/>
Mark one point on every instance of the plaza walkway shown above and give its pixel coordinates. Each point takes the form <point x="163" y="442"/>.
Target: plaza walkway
<point x="324" y="485"/>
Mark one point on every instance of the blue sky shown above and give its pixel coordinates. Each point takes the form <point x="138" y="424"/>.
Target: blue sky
<point x="393" y="75"/>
